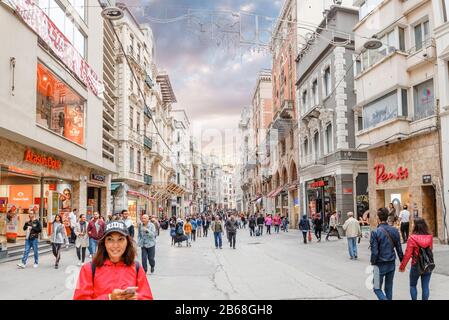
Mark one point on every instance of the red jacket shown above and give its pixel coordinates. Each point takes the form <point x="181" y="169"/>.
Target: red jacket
<point x="277" y="220"/>
<point x="92" y="231"/>
<point x="109" y="277"/>
<point x="413" y="243"/>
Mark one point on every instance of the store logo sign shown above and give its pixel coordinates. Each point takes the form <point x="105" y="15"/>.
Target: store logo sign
<point x="97" y="177"/>
<point x="383" y="176"/>
<point x="42" y="160"/>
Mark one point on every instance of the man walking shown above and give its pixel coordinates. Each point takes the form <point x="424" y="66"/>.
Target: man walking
<point x="352" y="228"/>
<point x="333" y="227"/>
<point x="252" y="225"/>
<point x="231" y="227"/>
<point x="128" y="222"/>
<point x="95" y="230"/>
<point x="72" y="218"/>
<point x="194" y="227"/>
<point x="304" y="226"/>
<point x="146" y="239"/>
<point x="217" y="228"/>
<point x="383" y="243"/>
<point x="404" y="218"/>
<point x="33" y="228"/>
<point x="260" y="222"/>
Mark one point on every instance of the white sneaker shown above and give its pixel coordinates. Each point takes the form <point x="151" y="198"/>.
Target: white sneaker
<point x="35" y="265"/>
<point x="90" y="256"/>
<point x="21" y="265"/>
<point x="79" y="263"/>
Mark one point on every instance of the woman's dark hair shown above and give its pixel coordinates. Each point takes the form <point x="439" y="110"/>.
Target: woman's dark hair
<point x="405" y="207"/>
<point x="102" y="255"/>
<point x="420" y="226"/>
<point x="81" y="215"/>
<point x="60" y="218"/>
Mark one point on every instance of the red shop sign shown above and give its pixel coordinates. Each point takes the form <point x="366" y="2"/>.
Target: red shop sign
<point x="318" y="184"/>
<point x="44" y="27"/>
<point x="382" y="176"/>
<point x="41" y="160"/>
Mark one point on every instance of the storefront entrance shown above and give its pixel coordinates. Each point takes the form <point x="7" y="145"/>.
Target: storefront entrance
<point x="94" y="200"/>
<point x="321" y="197"/>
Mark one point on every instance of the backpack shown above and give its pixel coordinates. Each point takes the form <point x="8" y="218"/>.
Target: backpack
<point x="425" y="261"/>
<point x="94" y="267"/>
<point x="179" y="230"/>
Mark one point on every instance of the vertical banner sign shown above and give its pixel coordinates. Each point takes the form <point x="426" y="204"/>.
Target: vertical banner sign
<point x="37" y="20"/>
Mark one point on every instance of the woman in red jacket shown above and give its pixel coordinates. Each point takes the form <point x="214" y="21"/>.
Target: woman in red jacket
<point x="113" y="273"/>
<point x="420" y="238"/>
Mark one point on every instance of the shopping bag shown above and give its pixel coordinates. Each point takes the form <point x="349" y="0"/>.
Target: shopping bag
<point x="310" y="235"/>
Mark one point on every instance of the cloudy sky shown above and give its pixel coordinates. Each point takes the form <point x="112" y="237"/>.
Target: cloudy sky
<point x="213" y="76"/>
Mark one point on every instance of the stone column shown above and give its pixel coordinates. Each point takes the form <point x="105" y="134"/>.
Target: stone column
<point x="340" y="98"/>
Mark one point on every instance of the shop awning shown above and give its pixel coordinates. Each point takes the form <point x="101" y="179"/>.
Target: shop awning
<point x="115" y="186"/>
<point x="275" y="193"/>
<point x="293" y="185"/>
<point x="138" y="194"/>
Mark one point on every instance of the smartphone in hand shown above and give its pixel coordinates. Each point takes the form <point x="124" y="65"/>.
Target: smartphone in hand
<point x="130" y="290"/>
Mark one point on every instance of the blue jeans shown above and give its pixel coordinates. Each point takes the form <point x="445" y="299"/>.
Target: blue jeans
<point x="92" y="246"/>
<point x="381" y="272"/>
<point x="352" y="247"/>
<point x="425" y="281"/>
<point x="218" y="241"/>
<point x="28" y="245"/>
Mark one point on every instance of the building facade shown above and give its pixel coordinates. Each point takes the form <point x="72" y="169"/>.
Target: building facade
<point x="398" y="119"/>
<point x="333" y="174"/>
<point x="51" y="160"/>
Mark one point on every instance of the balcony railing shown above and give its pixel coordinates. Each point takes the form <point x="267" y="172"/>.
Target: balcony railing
<point x="148" y="179"/>
<point x="312" y="159"/>
<point x="148" y="143"/>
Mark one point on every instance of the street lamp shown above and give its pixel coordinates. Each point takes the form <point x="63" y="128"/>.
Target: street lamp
<point x="373" y="44"/>
<point x="112" y="13"/>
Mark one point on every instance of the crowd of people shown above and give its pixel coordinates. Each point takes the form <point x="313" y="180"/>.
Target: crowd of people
<point x="114" y="243"/>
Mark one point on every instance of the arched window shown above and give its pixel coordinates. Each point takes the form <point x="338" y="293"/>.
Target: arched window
<point x="329" y="138"/>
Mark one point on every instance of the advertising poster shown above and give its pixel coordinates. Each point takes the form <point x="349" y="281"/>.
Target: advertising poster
<point x="12" y="223"/>
<point x="65" y="196"/>
<point x="21" y="196"/>
<point x="74" y="123"/>
<point x="57" y="119"/>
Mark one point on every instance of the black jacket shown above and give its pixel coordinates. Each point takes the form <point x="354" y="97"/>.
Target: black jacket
<point x="231" y="226"/>
<point x="260" y="220"/>
<point x="304" y="224"/>
<point x="382" y="250"/>
<point x="36" y="228"/>
<point x="318" y="224"/>
<point x="252" y="222"/>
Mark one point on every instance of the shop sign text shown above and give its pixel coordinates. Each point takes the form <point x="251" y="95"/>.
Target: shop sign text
<point x="41" y="160"/>
<point x="383" y="176"/>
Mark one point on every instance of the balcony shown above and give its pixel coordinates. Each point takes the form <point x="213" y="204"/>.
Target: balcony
<point x="425" y="55"/>
<point x="312" y="159"/>
<point x="147" y="112"/>
<point x="149" y="81"/>
<point x="392" y="69"/>
<point x="148" y="143"/>
<point x="284" y="119"/>
<point x="385" y="132"/>
<point x="148" y="180"/>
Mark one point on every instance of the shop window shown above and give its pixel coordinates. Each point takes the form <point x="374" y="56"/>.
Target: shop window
<point x="58" y="107"/>
<point x="380" y="110"/>
<point x="424" y="100"/>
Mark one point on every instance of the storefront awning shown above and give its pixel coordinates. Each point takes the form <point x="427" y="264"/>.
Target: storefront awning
<point x="138" y="194"/>
<point x="275" y="193"/>
<point x="293" y="185"/>
<point x="115" y="186"/>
